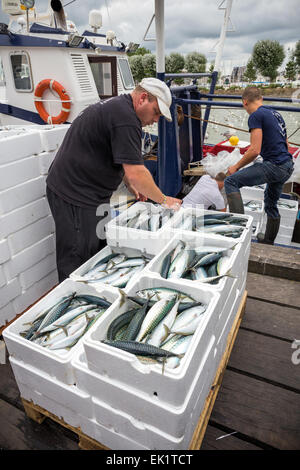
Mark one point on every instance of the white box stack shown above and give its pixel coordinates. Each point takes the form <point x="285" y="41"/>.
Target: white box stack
<point x="287" y="221"/>
<point x="110" y="394"/>
<point x="27" y="244"/>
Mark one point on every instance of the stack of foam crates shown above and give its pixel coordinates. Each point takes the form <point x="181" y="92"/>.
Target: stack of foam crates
<point x="110" y="394"/>
<point x="288" y="214"/>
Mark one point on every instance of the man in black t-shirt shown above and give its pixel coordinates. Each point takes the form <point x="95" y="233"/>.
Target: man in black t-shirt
<point x="102" y="146"/>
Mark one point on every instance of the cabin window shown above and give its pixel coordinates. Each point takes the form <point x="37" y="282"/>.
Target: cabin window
<point x="2" y="76"/>
<point x="21" y="71"/>
<point x="104" y="73"/>
<point x="126" y="74"/>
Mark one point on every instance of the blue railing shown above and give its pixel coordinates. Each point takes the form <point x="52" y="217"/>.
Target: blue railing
<point x="180" y="145"/>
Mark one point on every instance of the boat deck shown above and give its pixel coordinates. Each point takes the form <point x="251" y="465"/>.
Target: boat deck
<point x="258" y="404"/>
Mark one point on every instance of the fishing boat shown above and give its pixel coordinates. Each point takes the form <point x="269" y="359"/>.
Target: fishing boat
<point x="50" y="71"/>
<point x="153" y="412"/>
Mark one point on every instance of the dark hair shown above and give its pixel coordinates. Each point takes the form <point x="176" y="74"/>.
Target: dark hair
<point x="220" y="176"/>
<point x="251" y="93"/>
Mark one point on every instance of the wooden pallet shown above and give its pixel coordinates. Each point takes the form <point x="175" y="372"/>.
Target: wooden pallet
<point x="38" y="414"/>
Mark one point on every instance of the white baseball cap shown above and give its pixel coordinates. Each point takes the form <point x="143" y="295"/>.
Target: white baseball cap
<point x="162" y="92"/>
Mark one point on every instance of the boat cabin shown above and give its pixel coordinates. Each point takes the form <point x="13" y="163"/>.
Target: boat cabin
<point x="87" y="67"/>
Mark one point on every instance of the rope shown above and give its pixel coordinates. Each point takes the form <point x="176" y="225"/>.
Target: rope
<point x="231" y="127"/>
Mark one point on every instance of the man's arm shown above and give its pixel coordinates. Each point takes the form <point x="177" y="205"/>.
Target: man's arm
<point x="252" y="152"/>
<point x="138" y="177"/>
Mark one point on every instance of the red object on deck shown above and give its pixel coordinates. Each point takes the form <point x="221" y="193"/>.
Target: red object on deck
<point x="215" y="149"/>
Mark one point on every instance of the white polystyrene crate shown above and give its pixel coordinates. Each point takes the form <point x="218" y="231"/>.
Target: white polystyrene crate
<point x="235" y="250"/>
<point x="108" y="436"/>
<point x="173" y="385"/>
<point x="184" y="213"/>
<point x="144" y="240"/>
<point x="84" y="268"/>
<point x="253" y="192"/>
<point x="134" y="428"/>
<point x="65" y="399"/>
<point x="56" y="363"/>
<point x="227" y="325"/>
<point x="288" y="216"/>
<point x="147" y="408"/>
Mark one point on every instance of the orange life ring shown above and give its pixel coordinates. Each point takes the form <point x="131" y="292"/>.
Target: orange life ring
<point x="65" y="99"/>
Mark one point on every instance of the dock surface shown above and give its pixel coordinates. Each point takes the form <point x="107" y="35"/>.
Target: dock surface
<point x="258" y="404"/>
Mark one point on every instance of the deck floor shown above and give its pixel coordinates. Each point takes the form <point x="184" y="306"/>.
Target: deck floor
<point x="258" y="405"/>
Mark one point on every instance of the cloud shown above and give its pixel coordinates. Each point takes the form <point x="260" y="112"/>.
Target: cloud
<point x="193" y="25"/>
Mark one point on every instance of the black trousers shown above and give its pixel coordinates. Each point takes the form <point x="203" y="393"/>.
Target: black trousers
<point x="76" y="234"/>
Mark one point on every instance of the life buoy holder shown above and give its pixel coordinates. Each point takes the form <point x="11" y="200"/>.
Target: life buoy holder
<point x="65" y="99"/>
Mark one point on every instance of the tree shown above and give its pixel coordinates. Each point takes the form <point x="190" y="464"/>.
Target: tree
<point x="195" y="62"/>
<point x="267" y="57"/>
<point x="139" y="51"/>
<point x="291" y="70"/>
<point x="175" y="64"/>
<point x="136" y="65"/>
<point x="297" y="54"/>
<point x="149" y="65"/>
<point x="250" y="72"/>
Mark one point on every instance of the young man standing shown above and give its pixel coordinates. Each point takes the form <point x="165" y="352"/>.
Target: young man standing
<point x="269" y="139"/>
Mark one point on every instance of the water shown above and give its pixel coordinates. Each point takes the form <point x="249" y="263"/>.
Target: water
<point x="239" y="117"/>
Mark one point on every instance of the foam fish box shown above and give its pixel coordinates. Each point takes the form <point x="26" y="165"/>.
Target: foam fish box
<point x="257" y="215"/>
<point x="84" y="268"/>
<point x="126" y="368"/>
<point x="253" y="192"/>
<point x="56" y="363"/>
<point x="236" y="252"/>
<point x="183" y="217"/>
<point x="144" y="412"/>
<point x="65" y="401"/>
<point x="118" y="234"/>
<point x="288" y="214"/>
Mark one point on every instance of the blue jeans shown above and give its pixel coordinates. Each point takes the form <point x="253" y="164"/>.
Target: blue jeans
<point x="266" y="172"/>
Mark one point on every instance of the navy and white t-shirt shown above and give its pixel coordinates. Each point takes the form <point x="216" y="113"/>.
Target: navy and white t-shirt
<point x="274" y="147"/>
<point x="88" y="165"/>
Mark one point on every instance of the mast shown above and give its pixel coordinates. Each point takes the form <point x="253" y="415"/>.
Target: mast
<point x="160" y="38"/>
<point x="224" y="30"/>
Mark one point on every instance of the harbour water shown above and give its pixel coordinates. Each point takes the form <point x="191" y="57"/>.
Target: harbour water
<point x="238" y="117"/>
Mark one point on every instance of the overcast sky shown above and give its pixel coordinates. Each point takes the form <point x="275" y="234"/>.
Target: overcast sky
<point x="193" y="25"/>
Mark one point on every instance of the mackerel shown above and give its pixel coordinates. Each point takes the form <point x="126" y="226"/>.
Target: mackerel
<point x="160" y="333"/>
<point x="56" y="312"/>
<point x="119" y="322"/>
<point x="156" y="313"/>
<point x="141" y="349"/>
<point x="180" y="348"/>
<point x="158" y="293"/>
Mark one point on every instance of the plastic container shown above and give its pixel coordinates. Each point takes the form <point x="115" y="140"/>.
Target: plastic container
<point x="117" y="234"/>
<point x="56" y="363"/>
<point x="236" y="251"/>
<point x="185" y="213"/>
<point x="65" y="401"/>
<point x="143" y="407"/>
<point x="253" y="192"/>
<point x="172" y="386"/>
<point x="84" y="268"/>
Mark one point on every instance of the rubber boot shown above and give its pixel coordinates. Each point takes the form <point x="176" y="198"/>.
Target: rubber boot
<point x="272" y="229"/>
<point x="235" y="202"/>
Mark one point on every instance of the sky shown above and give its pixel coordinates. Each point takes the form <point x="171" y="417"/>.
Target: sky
<point x="193" y="25"/>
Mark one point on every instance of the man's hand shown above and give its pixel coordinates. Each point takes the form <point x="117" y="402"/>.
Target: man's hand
<point x="172" y="203"/>
<point x="232" y="169"/>
<point x="134" y="191"/>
